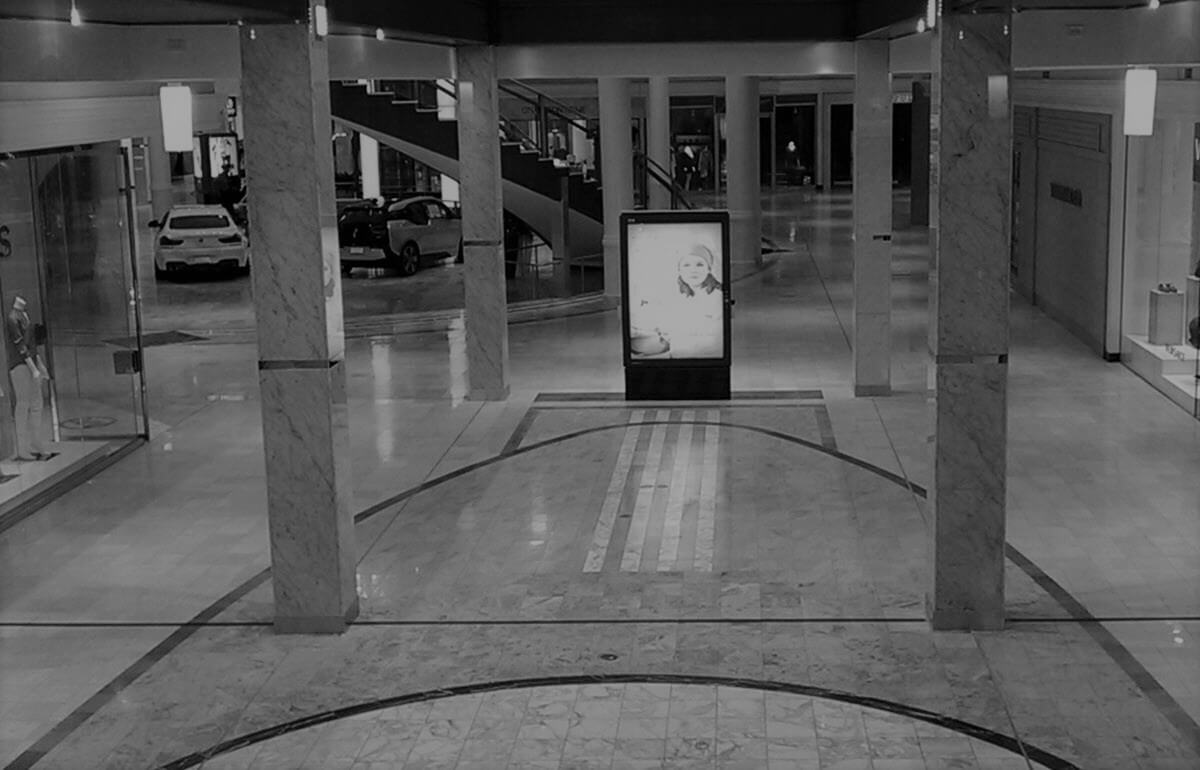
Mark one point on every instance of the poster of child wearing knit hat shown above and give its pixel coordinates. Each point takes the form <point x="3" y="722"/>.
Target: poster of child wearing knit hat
<point x="676" y="290"/>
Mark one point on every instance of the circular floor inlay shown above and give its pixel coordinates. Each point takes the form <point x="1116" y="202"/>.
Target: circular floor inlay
<point x="625" y="726"/>
<point x="86" y="423"/>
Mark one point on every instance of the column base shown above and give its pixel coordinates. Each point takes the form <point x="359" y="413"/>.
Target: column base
<point x="958" y="619"/>
<point x="316" y="624"/>
<point x="867" y="391"/>
<point x="488" y="394"/>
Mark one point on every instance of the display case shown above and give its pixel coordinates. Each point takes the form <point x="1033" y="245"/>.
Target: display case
<point x="1192" y="334"/>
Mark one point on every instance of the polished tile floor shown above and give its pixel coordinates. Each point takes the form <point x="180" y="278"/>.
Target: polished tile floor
<point x="550" y="571"/>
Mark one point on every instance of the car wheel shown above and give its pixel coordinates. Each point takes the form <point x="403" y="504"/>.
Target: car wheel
<point x="409" y="259"/>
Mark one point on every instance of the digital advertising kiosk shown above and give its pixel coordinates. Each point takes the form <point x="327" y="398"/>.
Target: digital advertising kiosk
<point x="676" y="303"/>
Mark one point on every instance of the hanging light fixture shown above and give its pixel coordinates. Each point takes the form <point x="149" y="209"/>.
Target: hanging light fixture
<point x="320" y="20"/>
<point x="1141" y="88"/>
<point x="1154" y="5"/>
<point x="921" y="24"/>
<point x="379" y="33"/>
<point x="175" y="105"/>
<point x="76" y="19"/>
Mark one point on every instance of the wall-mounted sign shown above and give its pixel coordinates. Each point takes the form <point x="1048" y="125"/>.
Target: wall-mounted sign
<point x="1066" y="194"/>
<point x="675" y="271"/>
<point x="1196" y="155"/>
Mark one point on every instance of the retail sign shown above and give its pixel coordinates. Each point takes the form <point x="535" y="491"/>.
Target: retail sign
<point x="1066" y="194"/>
<point x="1196" y="155"/>
<point x="675" y="309"/>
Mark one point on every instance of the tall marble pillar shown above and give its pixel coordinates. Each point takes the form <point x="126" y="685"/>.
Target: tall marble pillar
<point x="919" y="205"/>
<point x="872" y="343"/>
<point x="482" y="199"/>
<point x="658" y="144"/>
<point x="616" y="173"/>
<point x="297" y="293"/>
<point x="969" y="287"/>
<point x="744" y="200"/>
<point x="160" y="174"/>
<point x="368" y="159"/>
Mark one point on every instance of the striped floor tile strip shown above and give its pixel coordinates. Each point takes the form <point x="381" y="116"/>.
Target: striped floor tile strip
<point x="602" y="534"/>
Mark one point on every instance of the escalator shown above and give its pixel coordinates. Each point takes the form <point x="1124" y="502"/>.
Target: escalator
<point x="532" y="182"/>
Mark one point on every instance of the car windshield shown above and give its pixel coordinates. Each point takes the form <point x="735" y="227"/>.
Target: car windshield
<point x="199" y="222"/>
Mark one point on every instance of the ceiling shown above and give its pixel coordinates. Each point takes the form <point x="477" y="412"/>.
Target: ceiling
<point x="545" y="21"/>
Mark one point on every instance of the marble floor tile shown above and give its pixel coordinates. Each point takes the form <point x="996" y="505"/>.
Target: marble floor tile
<point x="789" y="545"/>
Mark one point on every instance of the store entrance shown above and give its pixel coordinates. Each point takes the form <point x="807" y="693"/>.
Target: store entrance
<point x="74" y="390"/>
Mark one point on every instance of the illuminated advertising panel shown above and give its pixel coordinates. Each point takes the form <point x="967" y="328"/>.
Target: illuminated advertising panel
<point x="676" y="274"/>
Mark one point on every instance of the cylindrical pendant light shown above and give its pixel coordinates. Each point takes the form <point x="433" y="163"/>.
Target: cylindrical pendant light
<point x="175" y="104"/>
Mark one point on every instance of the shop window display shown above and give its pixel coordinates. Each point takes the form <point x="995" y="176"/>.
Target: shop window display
<point x="1193" y="281"/>
<point x="72" y="353"/>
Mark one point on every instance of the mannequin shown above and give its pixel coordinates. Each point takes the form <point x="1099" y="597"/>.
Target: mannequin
<point x="27" y="372"/>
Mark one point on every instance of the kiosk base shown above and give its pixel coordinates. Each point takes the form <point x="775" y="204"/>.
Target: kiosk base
<point x="677" y="383"/>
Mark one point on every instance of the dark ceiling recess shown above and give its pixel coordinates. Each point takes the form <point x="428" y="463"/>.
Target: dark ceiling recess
<point x="519" y="22"/>
<point x="535" y="22"/>
<point x="874" y="16"/>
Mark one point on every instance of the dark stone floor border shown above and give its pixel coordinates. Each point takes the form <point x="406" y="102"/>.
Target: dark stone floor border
<point x="1018" y="747"/>
<point x="1141" y="677"/>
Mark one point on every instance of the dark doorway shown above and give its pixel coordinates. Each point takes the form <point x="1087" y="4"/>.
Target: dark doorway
<point x="902" y="144"/>
<point x="765" y="144"/>
<point x="841" y="144"/>
<point x="795" y="133"/>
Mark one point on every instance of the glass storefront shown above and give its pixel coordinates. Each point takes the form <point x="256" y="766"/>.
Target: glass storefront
<point x="1160" y="282"/>
<point x="74" y="389"/>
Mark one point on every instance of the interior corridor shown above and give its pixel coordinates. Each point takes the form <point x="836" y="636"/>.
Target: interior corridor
<point x="568" y="580"/>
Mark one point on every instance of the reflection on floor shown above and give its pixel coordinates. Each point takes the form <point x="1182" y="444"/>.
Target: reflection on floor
<point x="772" y="540"/>
<point x="22" y="479"/>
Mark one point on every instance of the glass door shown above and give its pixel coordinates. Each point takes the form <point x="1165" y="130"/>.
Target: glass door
<point x="92" y="343"/>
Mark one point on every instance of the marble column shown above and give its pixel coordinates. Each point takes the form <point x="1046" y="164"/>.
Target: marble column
<point x="658" y="139"/>
<point x="368" y="161"/>
<point x="919" y="206"/>
<point x="560" y="237"/>
<point x="297" y="293"/>
<point x="872" y="344"/>
<point x="969" y="288"/>
<point x="160" y="174"/>
<point x="482" y="199"/>
<point x="616" y="173"/>
<point x="744" y="200"/>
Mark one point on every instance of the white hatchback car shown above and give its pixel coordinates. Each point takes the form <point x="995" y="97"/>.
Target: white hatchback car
<point x="199" y="236"/>
<point x="404" y="235"/>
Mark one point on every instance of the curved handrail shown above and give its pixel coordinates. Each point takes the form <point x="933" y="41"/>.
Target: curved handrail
<point x="522" y="138"/>
<point x="659" y="174"/>
<point x="552" y="105"/>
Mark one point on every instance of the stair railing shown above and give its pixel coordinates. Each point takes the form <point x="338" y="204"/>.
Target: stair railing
<point x="546" y="106"/>
<point x="656" y="173"/>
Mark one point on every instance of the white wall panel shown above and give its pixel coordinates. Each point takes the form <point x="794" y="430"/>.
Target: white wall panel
<point x="32" y="125"/>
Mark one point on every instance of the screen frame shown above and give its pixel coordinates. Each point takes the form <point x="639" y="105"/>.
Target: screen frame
<point x="705" y="217"/>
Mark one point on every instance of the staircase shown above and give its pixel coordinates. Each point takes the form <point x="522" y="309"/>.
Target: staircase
<point x="532" y="182"/>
